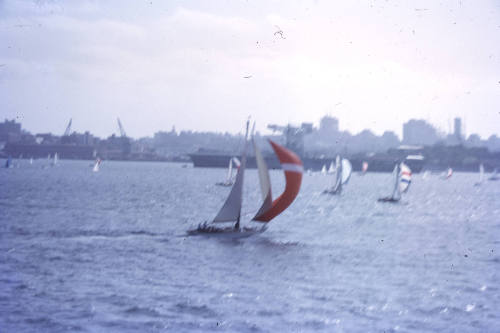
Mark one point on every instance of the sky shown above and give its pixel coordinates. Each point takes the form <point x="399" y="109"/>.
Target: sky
<point x="208" y="65"/>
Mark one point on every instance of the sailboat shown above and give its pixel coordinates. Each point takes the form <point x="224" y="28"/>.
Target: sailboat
<point x="402" y="180"/>
<point x="331" y="169"/>
<point x="448" y="174"/>
<point x="323" y="170"/>
<point x="343" y="174"/>
<point x="364" y="168"/>
<point x="493" y="175"/>
<point x="231" y="210"/>
<point x="8" y="162"/>
<point x="230" y="178"/>
<point x="55" y="160"/>
<point x="96" y="165"/>
<point x="481" y="175"/>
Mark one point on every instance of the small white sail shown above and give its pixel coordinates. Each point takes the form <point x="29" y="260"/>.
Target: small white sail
<point x="364" y="167"/>
<point x="346" y="171"/>
<point x="229" y="172"/>
<point x="481" y="173"/>
<point x="96" y="165"/>
<point x="449" y="173"/>
<point x="323" y="170"/>
<point x="396" y="194"/>
<point x="337" y="185"/>
<point x="231" y="210"/>
<point x="331" y="169"/>
<point x="56" y="158"/>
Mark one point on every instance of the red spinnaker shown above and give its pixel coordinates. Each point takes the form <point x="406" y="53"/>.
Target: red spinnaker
<point x="292" y="166"/>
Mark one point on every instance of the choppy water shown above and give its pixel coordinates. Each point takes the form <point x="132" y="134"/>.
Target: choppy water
<point x="107" y="252"/>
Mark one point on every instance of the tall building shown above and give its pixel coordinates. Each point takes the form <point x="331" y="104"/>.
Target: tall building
<point x="419" y="132"/>
<point x="10" y="131"/>
<point x="329" y="125"/>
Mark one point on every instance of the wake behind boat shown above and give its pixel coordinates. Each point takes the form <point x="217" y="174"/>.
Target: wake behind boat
<point x="231" y="210"/>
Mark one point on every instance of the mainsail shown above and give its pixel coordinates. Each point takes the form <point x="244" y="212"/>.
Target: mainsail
<point x="231" y="210"/>
<point x="293" y="168"/>
<point x="346" y="171"/>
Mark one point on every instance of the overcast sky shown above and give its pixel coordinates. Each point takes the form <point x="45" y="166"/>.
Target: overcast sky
<point x="207" y="65"/>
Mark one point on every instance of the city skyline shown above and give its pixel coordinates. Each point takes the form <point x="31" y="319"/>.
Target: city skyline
<point x="206" y="67"/>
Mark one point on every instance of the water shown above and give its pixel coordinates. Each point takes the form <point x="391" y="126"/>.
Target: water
<point x="107" y="252"/>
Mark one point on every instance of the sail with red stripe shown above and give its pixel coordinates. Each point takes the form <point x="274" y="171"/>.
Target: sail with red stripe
<point x="404" y="178"/>
<point x="293" y="169"/>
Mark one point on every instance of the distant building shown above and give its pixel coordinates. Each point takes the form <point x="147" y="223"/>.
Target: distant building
<point x="10" y="131"/>
<point x="329" y="125"/>
<point x="419" y="132"/>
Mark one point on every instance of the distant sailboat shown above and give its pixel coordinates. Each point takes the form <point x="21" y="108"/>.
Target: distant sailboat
<point x="481" y="175"/>
<point x="448" y="173"/>
<point x="323" y="170"/>
<point x="8" y="162"/>
<point x="97" y="165"/>
<point x="493" y="175"/>
<point x="342" y="175"/>
<point x="230" y="177"/>
<point x="331" y="169"/>
<point x="31" y="160"/>
<point x="231" y="210"/>
<point x="55" y="160"/>
<point x="402" y="180"/>
<point x="364" y="167"/>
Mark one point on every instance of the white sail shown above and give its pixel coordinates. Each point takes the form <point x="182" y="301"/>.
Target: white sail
<point x="481" y="173"/>
<point x="231" y="210"/>
<point x="395" y="174"/>
<point x="337" y="185"/>
<point x="264" y="179"/>
<point x="346" y="170"/>
<point x="55" y="159"/>
<point x="96" y="165"/>
<point x="229" y="171"/>
<point x="323" y="170"/>
<point x="331" y="169"/>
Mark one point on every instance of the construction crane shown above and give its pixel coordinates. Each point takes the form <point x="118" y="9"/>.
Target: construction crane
<point x="120" y="127"/>
<point x="294" y="136"/>
<point x="68" y="128"/>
